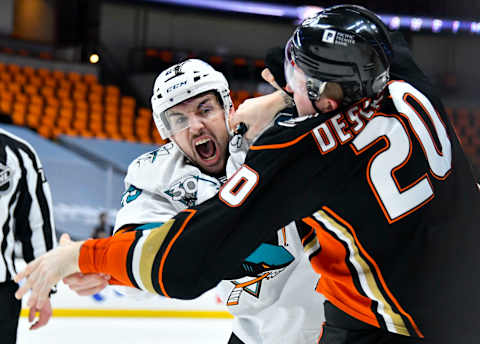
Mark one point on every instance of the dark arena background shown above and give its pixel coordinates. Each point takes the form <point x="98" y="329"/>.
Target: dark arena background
<point x="75" y="81"/>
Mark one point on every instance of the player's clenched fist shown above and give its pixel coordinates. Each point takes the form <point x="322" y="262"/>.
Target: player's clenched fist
<point x="46" y="271"/>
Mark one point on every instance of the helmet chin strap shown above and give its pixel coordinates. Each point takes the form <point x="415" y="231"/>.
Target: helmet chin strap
<point x="317" y="110"/>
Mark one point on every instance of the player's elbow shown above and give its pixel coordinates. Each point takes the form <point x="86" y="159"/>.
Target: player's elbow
<point x="185" y="286"/>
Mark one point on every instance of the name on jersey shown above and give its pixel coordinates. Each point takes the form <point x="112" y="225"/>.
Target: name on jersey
<point x="343" y="127"/>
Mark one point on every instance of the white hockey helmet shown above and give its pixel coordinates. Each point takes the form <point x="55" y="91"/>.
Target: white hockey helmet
<point x="181" y="82"/>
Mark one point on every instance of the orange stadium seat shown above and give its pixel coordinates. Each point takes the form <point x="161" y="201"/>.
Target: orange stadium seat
<point x="144" y="112"/>
<point x="33" y="120"/>
<point x="45" y="131"/>
<point x="13" y="68"/>
<point x="43" y="72"/>
<point x="35" y="108"/>
<point x="63" y="123"/>
<point x="58" y="74"/>
<point x="53" y="101"/>
<point x="80" y="86"/>
<point x="112" y="110"/>
<point x="18" y="117"/>
<point x="67" y="103"/>
<point x="5" y="106"/>
<point x="65" y="84"/>
<point x="7" y="95"/>
<point x="28" y="70"/>
<point x="47" y="91"/>
<point x="111" y="100"/>
<point x="81" y="105"/>
<point x="96" y="88"/>
<point x="112" y="90"/>
<point x="51" y="112"/>
<point x="37" y="100"/>
<point x="6" y="77"/>
<point x="36" y="80"/>
<point x="15" y="87"/>
<point x="96" y="107"/>
<point x="21" y="98"/>
<point x="79" y="96"/>
<point x="128" y="101"/>
<point x="95" y="98"/>
<point x="90" y="78"/>
<point x="50" y="82"/>
<point x="74" y="76"/>
<point x="20" y="78"/>
<point x="63" y="94"/>
<point x="71" y="132"/>
<point x="31" y="89"/>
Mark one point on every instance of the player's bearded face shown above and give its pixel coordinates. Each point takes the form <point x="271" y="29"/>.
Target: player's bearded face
<point x="205" y="138"/>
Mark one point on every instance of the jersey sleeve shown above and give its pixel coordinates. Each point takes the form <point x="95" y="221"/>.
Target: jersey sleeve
<point x="195" y="250"/>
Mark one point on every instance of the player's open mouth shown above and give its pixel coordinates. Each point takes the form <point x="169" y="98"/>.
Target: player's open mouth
<point x="206" y="149"/>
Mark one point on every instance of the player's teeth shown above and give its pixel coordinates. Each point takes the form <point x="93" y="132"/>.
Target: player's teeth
<point x="200" y="142"/>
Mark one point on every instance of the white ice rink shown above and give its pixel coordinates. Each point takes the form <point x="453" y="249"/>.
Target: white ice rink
<point x="126" y="331"/>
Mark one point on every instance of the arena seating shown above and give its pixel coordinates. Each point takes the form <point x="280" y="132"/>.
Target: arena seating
<point x="54" y="103"/>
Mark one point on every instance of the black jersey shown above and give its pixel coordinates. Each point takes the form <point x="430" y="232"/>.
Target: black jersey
<point x="389" y="198"/>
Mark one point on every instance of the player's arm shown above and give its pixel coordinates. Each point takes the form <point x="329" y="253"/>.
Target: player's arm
<point x="197" y="248"/>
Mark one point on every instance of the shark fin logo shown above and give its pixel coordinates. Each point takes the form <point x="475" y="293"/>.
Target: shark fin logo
<point x="266" y="262"/>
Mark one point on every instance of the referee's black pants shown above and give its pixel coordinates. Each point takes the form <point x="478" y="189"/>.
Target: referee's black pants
<point x="9" y="313"/>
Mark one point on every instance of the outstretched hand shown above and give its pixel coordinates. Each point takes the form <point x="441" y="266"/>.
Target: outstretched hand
<point x="44" y="272"/>
<point x="44" y="315"/>
<point x="87" y="284"/>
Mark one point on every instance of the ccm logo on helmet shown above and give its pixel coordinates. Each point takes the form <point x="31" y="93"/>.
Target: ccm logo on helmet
<point x="171" y="88"/>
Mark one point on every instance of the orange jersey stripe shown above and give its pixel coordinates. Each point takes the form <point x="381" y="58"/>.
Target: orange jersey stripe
<point x="280" y="145"/>
<point x="377" y="269"/>
<point x="336" y="282"/>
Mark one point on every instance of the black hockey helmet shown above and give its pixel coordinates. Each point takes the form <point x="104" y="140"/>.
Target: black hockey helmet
<point x="346" y="44"/>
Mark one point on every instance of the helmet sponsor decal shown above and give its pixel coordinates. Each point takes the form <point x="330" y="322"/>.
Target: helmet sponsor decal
<point x="329" y="36"/>
<point x="338" y="38"/>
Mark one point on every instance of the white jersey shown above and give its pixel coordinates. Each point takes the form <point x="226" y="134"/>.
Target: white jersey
<point x="273" y="296"/>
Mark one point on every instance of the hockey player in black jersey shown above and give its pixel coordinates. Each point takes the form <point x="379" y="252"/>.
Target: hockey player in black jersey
<point x="382" y="182"/>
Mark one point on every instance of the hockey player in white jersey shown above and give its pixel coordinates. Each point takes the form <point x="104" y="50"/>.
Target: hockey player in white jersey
<point x="272" y="294"/>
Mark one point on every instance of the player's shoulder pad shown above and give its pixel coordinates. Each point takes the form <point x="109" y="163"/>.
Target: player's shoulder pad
<point x="149" y="169"/>
<point x="287" y="130"/>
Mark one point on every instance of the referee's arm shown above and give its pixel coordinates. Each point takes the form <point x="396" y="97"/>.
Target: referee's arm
<point x="34" y="226"/>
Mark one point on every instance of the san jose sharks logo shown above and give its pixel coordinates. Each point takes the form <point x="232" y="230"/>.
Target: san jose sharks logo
<point x="5" y="176"/>
<point x="152" y="156"/>
<point x="185" y="190"/>
<point x="265" y="263"/>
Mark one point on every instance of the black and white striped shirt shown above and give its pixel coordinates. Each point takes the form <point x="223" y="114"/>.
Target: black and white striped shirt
<point x="25" y="204"/>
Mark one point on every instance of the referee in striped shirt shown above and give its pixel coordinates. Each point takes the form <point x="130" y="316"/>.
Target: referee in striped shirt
<point x="25" y="217"/>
